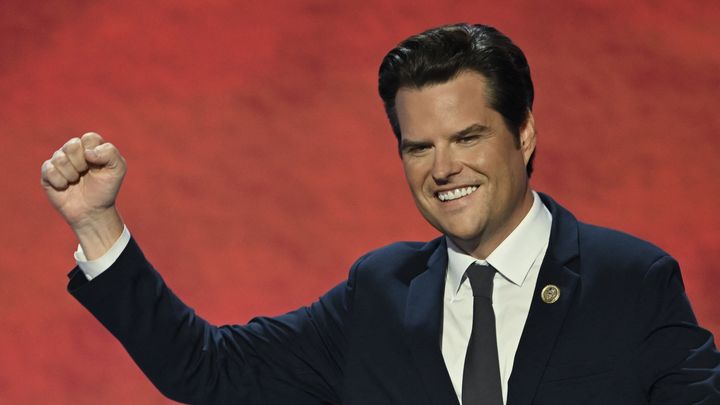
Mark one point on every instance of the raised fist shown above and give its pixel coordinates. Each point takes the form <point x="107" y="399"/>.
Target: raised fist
<point x="82" y="180"/>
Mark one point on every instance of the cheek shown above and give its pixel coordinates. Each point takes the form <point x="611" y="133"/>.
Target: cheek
<point x="414" y="175"/>
<point x="409" y="175"/>
<point x="480" y="158"/>
<point x="495" y="163"/>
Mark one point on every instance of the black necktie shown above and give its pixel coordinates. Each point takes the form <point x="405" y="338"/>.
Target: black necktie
<point x="481" y="375"/>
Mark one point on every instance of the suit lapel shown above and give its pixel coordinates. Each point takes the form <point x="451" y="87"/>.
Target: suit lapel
<point x="423" y="327"/>
<point x="544" y="320"/>
<point x="541" y="330"/>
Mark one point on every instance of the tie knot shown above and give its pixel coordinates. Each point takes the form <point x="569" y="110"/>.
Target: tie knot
<point x="481" y="280"/>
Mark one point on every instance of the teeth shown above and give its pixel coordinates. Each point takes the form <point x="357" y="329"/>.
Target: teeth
<point x="455" y="194"/>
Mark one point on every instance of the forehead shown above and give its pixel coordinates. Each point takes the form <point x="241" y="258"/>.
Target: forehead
<point x="444" y="108"/>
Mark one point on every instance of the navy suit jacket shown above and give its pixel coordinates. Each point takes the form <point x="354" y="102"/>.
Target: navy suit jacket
<point x="622" y="331"/>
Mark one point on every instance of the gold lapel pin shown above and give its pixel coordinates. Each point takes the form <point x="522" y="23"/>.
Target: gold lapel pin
<point x="550" y="294"/>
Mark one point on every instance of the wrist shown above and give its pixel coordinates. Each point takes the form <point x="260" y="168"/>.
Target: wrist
<point x="98" y="233"/>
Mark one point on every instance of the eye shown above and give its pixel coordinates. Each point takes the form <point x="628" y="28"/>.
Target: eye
<point x="468" y="139"/>
<point x="417" y="149"/>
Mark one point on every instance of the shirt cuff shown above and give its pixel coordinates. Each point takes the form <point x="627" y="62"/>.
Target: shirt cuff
<point x="93" y="268"/>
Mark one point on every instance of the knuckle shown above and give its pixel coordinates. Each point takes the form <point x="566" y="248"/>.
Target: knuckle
<point x="73" y="176"/>
<point x="110" y="149"/>
<point x="59" y="158"/>
<point x="91" y="139"/>
<point x="54" y="177"/>
<point x="59" y="182"/>
<point x="72" y="145"/>
<point x="46" y="167"/>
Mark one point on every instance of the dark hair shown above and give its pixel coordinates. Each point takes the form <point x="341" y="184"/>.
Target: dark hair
<point x="440" y="54"/>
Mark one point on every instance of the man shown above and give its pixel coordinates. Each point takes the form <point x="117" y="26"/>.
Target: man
<point x="517" y="303"/>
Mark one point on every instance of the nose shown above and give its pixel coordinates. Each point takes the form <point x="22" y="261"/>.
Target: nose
<point x="445" y="165"/>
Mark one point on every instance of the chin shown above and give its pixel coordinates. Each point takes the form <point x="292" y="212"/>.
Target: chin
<point x="457" y="227"/>
<point x="460" y="234"/>
<point x="463" y="227"/>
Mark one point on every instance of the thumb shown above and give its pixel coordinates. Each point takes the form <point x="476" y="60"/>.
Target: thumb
<point x="105" y="155"/>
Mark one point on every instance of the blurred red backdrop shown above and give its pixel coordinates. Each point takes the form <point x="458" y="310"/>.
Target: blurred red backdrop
<point x="261" y="164"/>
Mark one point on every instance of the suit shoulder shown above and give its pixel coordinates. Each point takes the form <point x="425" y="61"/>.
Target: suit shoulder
<point x="617" y="249"/>
<point x="400" y="252"/>
<point x="397" y="258"/>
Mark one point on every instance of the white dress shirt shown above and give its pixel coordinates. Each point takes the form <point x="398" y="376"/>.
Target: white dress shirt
<point x="517" y="260"/>
<point x="93" y="268"/>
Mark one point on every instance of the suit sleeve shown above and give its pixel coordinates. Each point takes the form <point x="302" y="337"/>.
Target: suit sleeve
<point x="679" y="363"/>
<point x="296" y="358"/>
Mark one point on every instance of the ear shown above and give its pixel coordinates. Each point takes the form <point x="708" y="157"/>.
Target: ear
<point x="527" y="137"/>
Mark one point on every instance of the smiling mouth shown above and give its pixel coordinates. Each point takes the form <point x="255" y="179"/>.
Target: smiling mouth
<point x="451" y="195"/>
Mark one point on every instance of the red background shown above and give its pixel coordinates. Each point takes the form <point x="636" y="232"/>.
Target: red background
<point x="261" y="163"/>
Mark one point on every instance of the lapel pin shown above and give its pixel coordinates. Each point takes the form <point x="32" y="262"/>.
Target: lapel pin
<point x="550" y="294"/>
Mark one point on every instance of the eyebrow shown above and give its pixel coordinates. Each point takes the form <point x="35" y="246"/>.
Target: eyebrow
<point x="478" y="129"/>
<point x="406" y="145"/>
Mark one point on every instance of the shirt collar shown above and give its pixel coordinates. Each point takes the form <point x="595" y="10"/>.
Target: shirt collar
<point x="514" y="256"/>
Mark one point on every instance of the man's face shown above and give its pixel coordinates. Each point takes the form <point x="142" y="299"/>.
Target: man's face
<point x="464" y="167"/>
